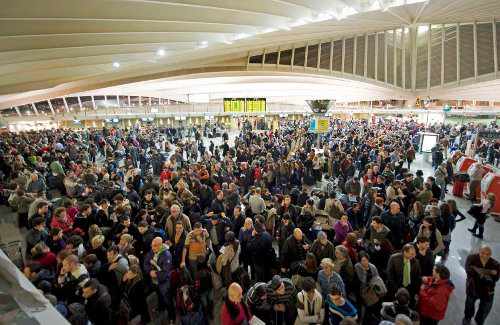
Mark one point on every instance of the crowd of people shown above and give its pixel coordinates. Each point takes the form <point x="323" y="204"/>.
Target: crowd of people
<point x="287" y="226"/>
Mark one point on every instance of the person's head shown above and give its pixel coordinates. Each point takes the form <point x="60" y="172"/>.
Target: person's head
<point x="341" y="253"/>
<point x="112" y="253"/>
<point x="156" y="244"/>
<point x="248" y="223"/>
<point x="322" y="238"/>
<point x="287" y="200"/>
<point x="42" y="208"/>
<point x="220" y="195"/>
<point x="86" y="210"/>
<point x="60" y="213"/>
<point x="402" y="319"/>
<point x="38" y="223"/>
<point x="344" y="219"/>
<point x="440" y="272"/>
<point x="364" y="259"/>
<point x="277" y="285"/>
<point x="143" y="226"/>
<point x="309" y="286"/>
<point x="90" y="260"/>
<point x="175" y="210"/>
<point x="179" y="227"/>
<point x="408" y="251"/>
<point x="90" y="288"/>
<point x="197" y="228"/>
<point x="297" y="234"/>
<point x="56" y="233"/>
<point x="394" y="208"/>
<point x="452" y="204"/>
<point x="422" y="243"/>
<point x="70" y="263"/>
<point x="335" y="295"/>
<point x="327" y="265"/>
<point x="428" y="222"/>
<point x="485" y="252"/>
<point x="134" y="271"/>
<point x="235" y="293"/>
<point x="402" y="297"/>
<point x="377" y="223"/>
<point x="125" y="240"/>
<point x="237" y="211"/>
<point x="97" y="241"/>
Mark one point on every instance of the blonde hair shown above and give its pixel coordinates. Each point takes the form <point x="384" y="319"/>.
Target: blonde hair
<point x="97" y="241"/>
<point x="327" y="262"/>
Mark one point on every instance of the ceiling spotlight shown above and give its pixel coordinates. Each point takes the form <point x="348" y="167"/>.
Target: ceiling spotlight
<point x="228" y="42"/>
<point x="203" y="45"/>
<point x="116" y="64"/>
<point x="161" y="52"/>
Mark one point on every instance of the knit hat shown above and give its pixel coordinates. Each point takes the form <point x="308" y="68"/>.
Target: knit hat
<point x="275" y="282"/>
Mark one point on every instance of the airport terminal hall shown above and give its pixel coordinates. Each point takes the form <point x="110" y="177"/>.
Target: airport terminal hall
<point x="258" y="162"/>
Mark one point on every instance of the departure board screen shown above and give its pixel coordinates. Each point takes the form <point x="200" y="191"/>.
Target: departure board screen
<point x="244" y="105"/>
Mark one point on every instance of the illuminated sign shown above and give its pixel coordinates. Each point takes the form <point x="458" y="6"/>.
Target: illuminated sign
<point x="244" y="105"/>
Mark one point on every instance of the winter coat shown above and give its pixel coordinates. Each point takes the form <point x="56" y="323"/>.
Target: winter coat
<point x="98" y="307"/>
<point x="433" y="297"/>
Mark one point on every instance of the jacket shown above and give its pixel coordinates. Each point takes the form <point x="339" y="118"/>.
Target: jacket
<point x="292" y="251"/>
<point x="395" y="274"/>
<point x="260" y="247"/>
<point x="98" y="307"/>
<point x="477" y="286"/>
<point x="326" y="283"/>
<point x="310" y="311"/>
<point x="163" y="267"/>
<point x="433" y="297"/>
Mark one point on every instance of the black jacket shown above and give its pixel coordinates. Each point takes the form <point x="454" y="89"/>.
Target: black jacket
<point x="292" y="251"/>
<point x="98" y="307"/>
<point x="395" y="274"/>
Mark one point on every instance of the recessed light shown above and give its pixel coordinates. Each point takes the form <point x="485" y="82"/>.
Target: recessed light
<point x="203" y="44"/>
<point x="116" y="64"/>
<point x="161" y="52"/>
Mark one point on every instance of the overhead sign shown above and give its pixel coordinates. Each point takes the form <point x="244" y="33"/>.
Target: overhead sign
<point x="319" y="125"/>
<point x="244" y="105"/>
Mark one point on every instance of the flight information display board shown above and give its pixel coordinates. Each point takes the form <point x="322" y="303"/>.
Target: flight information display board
<point x="244" y="105"/>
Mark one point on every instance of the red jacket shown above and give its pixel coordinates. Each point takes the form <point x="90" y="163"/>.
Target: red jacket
<point x="433" y="297"/>
<point x="242" y="315"/>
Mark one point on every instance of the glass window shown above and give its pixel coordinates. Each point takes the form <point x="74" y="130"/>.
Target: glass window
<point x="324" y="59"/>
<point x="26" y="110"/>
<point x="299" y="56"/>
<point x="8" y="112"/>
<point x="99" y="102"/>
<point x="436" y="35"/>
<point x="370" y="60"/>
<point x="337" y="56"/>
<point x="134" y="101"/>
<point x="145" y="101"/>
<point x="271" y="58"/>
<point x="87" y="102"/>
<point x="312" y="56"/>
<point x="123" y="101"/>
<point x="466" y="51"/>
<point x="255" y="59"/>
<point x="360" y="55"/>
<point x="422" y="57"/>
<point x="43" y="108"/>
<point x="485" y="62"/>
<point x="286" y="57"/>
<point x="73" y="105"/>
<point x="450" y="54"/>
<point x="111" y="101"/>
<point x="349" y="55"/>
<point x="380" y="72"/>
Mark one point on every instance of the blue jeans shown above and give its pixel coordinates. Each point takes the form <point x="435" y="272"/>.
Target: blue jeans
<point x="485" y="305"/>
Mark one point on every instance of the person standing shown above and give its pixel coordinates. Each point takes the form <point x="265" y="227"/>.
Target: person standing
<point x="158" y="264"/>
<point x="434" y="295"/>
<point x="482" y="274"/>
<point x="403" y="270"/>
<point x="234" y="311"/>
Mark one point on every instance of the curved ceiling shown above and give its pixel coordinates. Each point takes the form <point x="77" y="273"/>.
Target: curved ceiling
<point x="278" y="86"/>
<point x="53" y="47"/>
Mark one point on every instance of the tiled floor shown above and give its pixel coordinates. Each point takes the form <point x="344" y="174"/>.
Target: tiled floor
<point x="463" y="243"/>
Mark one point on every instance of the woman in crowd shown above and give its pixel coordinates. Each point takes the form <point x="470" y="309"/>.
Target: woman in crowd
<point x="233" y="196"/>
